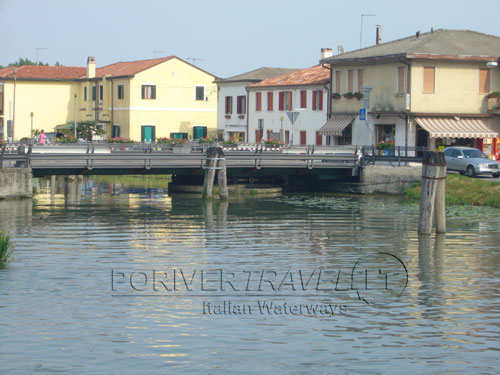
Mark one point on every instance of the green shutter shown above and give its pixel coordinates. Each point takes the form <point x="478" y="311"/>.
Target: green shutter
<point x="153" y="92"/>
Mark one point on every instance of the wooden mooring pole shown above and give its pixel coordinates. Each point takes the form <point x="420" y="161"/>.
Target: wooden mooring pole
<point x="215" y="160"/>
<point x="432" y="196"/>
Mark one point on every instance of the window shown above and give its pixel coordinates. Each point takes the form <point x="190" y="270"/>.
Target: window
<point x="319" y="139"/>
<point x="200" y="92"/>
<point x="258" y="101"/>
<point x="360" y="80"/>
<point x="401" y="79"/>
<point x="350" y="80"/>
<point x="121" y="92"/>
<point x="85" y="94"/>
<point x="115" y="131"/>
<point x="241" y="104"/>
<point x="385" y="133"/>
<point x="229" y="105"/>
<point x="303" y="137"/>
<point x="93" y="93"/>
<point x="429" y="79"/>
<point x="101" y="92"/>
<point x="148" y="92"/>
<point x="285" y="101"/>
<point x="317" y="100"/>
<point x="303" y="99"/>
<point x="270" y="101"/>
<point x="338" y="86"/>
<point x="484" y="81"/>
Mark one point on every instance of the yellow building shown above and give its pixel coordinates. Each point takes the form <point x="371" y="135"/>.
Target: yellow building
<point x="424" y="90"/>
<point x="140" y="100"/>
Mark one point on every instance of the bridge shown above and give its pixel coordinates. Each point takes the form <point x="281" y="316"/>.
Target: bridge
<point x="187" y="162"/>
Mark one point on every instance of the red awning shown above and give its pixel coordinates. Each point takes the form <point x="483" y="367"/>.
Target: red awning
<point x="456" y="127"/>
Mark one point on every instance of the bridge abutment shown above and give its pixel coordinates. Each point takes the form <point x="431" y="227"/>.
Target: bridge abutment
<point x="16" y="183"/>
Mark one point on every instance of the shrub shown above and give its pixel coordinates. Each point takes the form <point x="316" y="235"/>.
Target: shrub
<point x="120" y="140"/>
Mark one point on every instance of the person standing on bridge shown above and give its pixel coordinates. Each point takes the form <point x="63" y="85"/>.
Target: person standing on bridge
<point x="42" y="138"/>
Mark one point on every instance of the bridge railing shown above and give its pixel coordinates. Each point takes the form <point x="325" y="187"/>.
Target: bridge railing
<point x="400" y="154"/>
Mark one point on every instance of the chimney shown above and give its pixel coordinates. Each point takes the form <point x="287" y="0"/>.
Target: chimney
<point x="326" y="53"/>
<point x="90" y="67"/>
<point x="378" y="37"/>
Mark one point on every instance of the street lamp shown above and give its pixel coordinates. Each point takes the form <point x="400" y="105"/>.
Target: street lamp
<point x="31" y="132"/>
<point x="361" y="32"/>
<point x="74" y="123"/>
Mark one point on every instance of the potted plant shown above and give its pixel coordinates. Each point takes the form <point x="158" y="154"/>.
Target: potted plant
<point x="336" y="96"/>
<point x="120" y="140"/>
<point x="493" y="100"/>
<point x="348" y="95"/>
<point x="358" y="95"/>
<point x="385" y="147"/>
<point x="227" y="117"/>
<point x="272" y="143"/>
<point x="206" y="140"/>
<point x="229" y="143"/>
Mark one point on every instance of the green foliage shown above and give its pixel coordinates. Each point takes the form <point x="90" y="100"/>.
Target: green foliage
<point x="206" y="140"/>
<point x="6" y="247"/>
<point x="27" y="61"/>
<point x="493" y="94"/>
<point x="461" y="190"/>
<point x="86" y="129"/>
<point x="120" y="140"/>
<point x="67" y="139"/>
<point x="172" y="141"/>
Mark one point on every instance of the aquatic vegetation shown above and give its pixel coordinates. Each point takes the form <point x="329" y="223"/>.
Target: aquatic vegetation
<point x="6" y="247"/>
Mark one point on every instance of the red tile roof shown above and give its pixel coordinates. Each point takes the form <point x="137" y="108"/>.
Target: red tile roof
<point x="315" y="75"/>
<point x="118" y="69"/>
<point x="128" y="68"/>
<point x="43" y="72"/>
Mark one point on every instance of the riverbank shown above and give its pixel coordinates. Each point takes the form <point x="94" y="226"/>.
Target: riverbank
<point x="461" y="190"/>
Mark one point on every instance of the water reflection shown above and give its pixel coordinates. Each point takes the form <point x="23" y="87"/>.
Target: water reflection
<point x="56" y="298"/>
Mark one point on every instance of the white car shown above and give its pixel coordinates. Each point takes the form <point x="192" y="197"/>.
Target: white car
<point x="470" y="161"/>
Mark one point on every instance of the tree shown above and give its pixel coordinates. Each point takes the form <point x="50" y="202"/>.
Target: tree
<point x="86" y="129"/>
<point x="27" y="61"/>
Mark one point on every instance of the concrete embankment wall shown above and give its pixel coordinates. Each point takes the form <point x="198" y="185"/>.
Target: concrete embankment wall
<point x="16" y="183"/>
<point x="388" y="179"/>
<point x="380" y="179"/>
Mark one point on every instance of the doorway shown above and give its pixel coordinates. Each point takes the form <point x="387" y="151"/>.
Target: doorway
<point x="148" y="133"/>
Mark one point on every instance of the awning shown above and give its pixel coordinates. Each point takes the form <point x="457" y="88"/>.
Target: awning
<point x="67" y="126"/>
<point x="456" y="127"/>
<point x="335" y="125"/>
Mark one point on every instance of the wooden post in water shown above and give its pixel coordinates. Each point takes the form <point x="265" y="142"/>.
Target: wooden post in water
<point x="210" y="165"/>
<point x="222" y="174"/>
<point x="433" y="180"/>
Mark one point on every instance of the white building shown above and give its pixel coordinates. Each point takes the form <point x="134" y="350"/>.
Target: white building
<point x="232" y="104"/>
<point x="272" y="102"/>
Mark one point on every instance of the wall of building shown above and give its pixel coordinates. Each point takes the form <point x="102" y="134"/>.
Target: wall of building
<point x="383" y="78"/>
<point x="456" y="87"/>
<point x="231" y="122"/>
<point x="175" y="108"/>
<point x="51" y="102"/>
<point x="308" y="120"/>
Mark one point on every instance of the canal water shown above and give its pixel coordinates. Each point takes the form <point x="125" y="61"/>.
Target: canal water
<point x="106" y="278"/>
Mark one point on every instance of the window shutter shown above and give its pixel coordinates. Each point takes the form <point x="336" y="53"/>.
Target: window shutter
<point x="281" y="101"/>
<point x="303" y="99"/>
<point x="258" y="101"/>
<point x="143" y="92"/>
<point x="290" y="101"/>
<point x="484" y="81"/>
<point x="270" y="99"/>
<point x="153" y="92"/>
<point x="321" y="100"/>
<point x="314" y="100"/>
<point x="238" y="104"/>
<point x="429" y="79"/>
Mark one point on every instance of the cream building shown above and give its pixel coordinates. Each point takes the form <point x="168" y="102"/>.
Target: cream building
<point x="429" y="89"/>
<point x="140" y="100"/>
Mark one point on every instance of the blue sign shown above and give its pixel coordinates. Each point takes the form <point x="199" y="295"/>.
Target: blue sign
<point x="362" y="114"/>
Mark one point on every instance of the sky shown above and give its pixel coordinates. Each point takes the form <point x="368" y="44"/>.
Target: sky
<point x="225" y="37"/>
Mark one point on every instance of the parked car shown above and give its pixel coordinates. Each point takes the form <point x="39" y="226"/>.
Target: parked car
<point x="470" y="161"/>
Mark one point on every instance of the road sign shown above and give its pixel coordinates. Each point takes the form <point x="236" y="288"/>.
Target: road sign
<point x="362" y="114"/>
<point x="293" y="116"/>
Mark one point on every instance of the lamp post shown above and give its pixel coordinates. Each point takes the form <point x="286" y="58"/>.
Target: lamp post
<point x="361" y="32"/>
<point x="74" y="123"/>
<point x="31" y="131"/>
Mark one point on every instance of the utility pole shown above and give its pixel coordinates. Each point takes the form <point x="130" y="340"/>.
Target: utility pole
<point x="74" y="123"/>
<point x="14" y="107"/>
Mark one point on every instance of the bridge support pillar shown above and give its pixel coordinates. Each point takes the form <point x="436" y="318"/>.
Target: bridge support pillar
<point x="432" y="196"/>
<point x="215" y="161"/>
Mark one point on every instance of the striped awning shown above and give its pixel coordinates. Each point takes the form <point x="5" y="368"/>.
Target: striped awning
<point x="335" y="125"/>
<point x="456" y="127"/>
